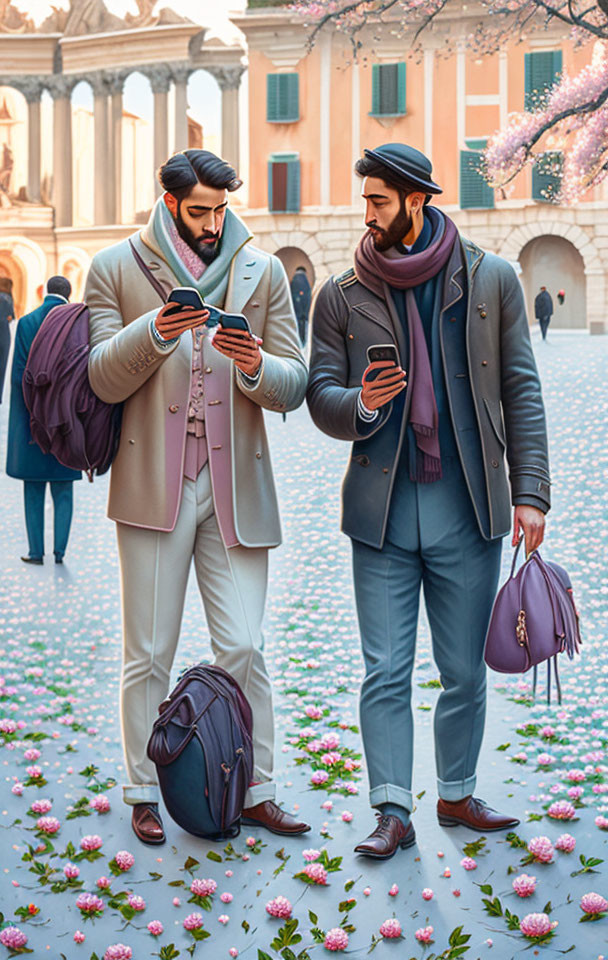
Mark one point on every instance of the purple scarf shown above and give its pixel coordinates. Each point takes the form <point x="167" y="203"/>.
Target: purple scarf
<point x="373" y="269"/>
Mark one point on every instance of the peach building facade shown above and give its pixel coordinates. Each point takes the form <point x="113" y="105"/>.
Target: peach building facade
<point x="305" y="135"/>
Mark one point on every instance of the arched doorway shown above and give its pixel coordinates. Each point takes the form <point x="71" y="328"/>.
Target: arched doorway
<point x="555" y="263"/>
<point x="292" y="258"/>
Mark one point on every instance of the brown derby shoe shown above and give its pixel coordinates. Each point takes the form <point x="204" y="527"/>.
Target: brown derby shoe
<point x="147" y="824"/>
<point x="389" y="834"/>
<point x="269" y="815"/>
<point x="474" y="813"/>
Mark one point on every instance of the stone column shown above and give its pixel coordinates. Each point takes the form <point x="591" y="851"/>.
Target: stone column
<point x="61" y="91"/>
<point x="160" y="81"/>
<point x="229" y="80"/>
<point x="104" y="181"/>
<point x="31" y="89"/>
<point x="116" y="82"/>
<point x="180" y="76"/>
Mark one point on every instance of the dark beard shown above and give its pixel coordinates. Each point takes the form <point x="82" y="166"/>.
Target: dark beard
<point x="206" y="251"/>
<point x="398" y="229"/>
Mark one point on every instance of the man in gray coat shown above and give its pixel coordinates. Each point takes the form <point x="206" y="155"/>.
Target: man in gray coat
<point x="446" y="438"/>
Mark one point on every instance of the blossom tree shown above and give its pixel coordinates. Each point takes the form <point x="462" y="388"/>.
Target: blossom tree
<point x="566" y="125"/>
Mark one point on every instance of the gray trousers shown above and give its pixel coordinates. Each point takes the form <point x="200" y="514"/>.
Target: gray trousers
<point x="441" y="549"/>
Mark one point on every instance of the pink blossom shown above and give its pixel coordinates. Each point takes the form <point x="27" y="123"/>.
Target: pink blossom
<point x="319" y="777"/>
<point x="601" y="822"/>
<point x="593" y="903"/>
<point x="576" y="776"/>
<point x="49" y="825"/>
<point x="251" y="841"/>
<point x="327" y="805"/>
<point x="331" y="758"/>
<point x="118" y="951"/>
<point x="226" y="898"/>
<point x="545" y="759"/>
<point x="575" y="793"/>
<point x="13" y="938"/>
<point x="136" y="902"/>
<point x="91" y="842"/>
<point x="424" y="934"/>
<point x="367" y="891"/>
<point x="316" y="872"/>
<point x="223" y="918"/>
<point x="124" y="860"/>
<point x="427" y="894"/>
<point x="41" y="806"/>
<point x="233" y="952"/>
<point x="71" y="871"/>
<point x="79" y="936"/>
<point x="32" y="754"/>
<point x="203" y="888"/>
<point x="17" y="789"/>
<point x="313" y="713"/>
<point x="347" y="816"/>
<point x="100" y="803"/>
<point x="547" y="732"/>
<point x="448" y="873"/>
<point x="104" y="883"/>
<point x="524" y="885"/>
<point x="566" y="843"/>
<point x="176" y="901"/>
<point x="336" y="939"/>
<point x="229" y="873"/>
<point x="330" y="741"/>
<point x="351" y="787"/>
<point x="89" y="903"/>
<point x="193" y="921"/>
<point x="537" y="925"/>
<point x="279" y="907"/>
<point x="541" y="849"/>
<point x="311" y="855"/>
<point x="456" y="892"/>
<point x="8" y="726"/>
<point x="468" y="863"/>
<point x="34" y="772"/>
<point x="394" y="890"/>
<point x="561" y="810"/>
<point x="390" y="929"/>
<point x="156" y="928"/>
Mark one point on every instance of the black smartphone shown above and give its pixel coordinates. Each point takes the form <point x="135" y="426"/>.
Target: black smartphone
<point x="235" y="321"/>
<point x="381" y="351"/>
<point x="185" y="297"/>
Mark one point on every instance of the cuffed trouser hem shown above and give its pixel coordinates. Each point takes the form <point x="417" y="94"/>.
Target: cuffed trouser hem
<point x="133" y="793"/>
<point x="259" y="793"/>
<point x="390" y="793"/>
<point x="454" y="790"/>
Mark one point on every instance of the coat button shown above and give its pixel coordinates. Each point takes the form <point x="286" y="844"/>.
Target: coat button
<point x="208" y="370"/>
<point x="131" y="441"/>
<point x="484" y="363"/>
<point x="174" y="408"/>
<point x="258" y="455"/>
<point x="483" y="314"/>
<point x="494" y="463"/>
<point x="384" y="469"/>
<point x="351" y="336"/>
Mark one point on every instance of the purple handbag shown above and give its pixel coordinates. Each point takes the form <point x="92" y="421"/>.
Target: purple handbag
<point x="533" y="619"/>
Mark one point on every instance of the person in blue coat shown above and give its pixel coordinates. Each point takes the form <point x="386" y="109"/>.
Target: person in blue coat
<point x="25" y="460"/>
<point x="7" y="312"/>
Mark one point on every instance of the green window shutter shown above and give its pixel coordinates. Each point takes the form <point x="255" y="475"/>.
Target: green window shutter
<point x="474" y="191"/>
<point x="284" y="183"/>
<point x="541" y="71"/>
<point x="293" y="186"/>
<point x="547" y="176"/>
<point x="282" y="97"/>
<point x="388" y="89"/>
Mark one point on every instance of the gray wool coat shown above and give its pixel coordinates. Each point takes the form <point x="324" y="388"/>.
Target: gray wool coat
<point x="508" y="408"/>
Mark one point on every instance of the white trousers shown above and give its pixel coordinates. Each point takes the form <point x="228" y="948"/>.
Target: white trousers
<point x="154" y="572"/>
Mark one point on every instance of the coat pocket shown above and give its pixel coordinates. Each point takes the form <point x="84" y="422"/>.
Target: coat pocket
<point x="493" y="411"/>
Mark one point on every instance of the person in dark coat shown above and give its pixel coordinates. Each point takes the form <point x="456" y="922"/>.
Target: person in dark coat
<point x="543" y="310"/>
<point x="300" y="295"/>
<point x="25" y="460"/>
<point x="7" y="312"/>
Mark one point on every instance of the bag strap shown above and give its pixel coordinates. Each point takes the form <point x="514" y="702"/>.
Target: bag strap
<point x="148" y="273"/>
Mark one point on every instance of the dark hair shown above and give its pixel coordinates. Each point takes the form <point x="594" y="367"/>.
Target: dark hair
<point x="6" y="285"/>
<point x="59" y="285"/>
<point x="370" y="167"/>
<point x="184" y="170"/>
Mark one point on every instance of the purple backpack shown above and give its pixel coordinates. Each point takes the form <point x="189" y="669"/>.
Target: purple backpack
<point x="66" y="418"/>
<point x="533" y="619"/>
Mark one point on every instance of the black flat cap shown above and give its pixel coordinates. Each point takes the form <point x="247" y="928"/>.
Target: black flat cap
<point x="410" y="163"/>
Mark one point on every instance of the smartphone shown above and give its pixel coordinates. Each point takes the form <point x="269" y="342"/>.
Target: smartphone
<point x="381" y="351"/>
<point x="234" y="321"/>
<point x="185" y="297"/>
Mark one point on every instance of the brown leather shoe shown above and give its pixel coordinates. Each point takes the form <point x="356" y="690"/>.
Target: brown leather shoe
<point x="389" y="834"/>
<point x="147" y="824"/>
<point x="268" y="814"/>
<point x="474" y="813"/>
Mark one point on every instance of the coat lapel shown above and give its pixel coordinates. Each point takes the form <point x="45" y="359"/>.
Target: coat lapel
<point x="246" y="271"/>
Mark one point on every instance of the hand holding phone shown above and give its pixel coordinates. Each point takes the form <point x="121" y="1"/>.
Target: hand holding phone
<point x="184" y="310"/>
<point x="383" y="377"/>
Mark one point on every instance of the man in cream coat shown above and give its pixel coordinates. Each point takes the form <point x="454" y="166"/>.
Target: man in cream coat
<point x="192" y="477"/>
